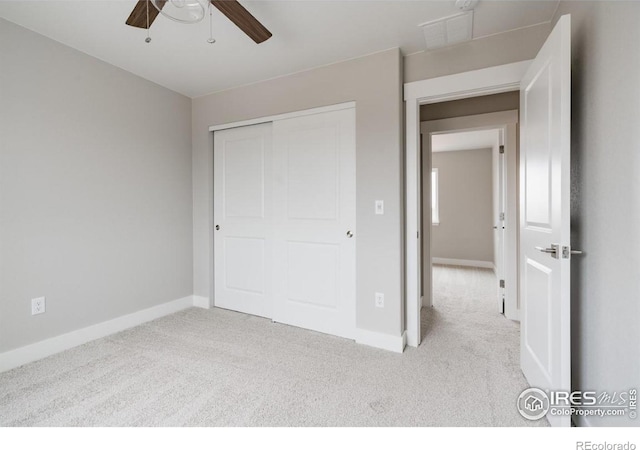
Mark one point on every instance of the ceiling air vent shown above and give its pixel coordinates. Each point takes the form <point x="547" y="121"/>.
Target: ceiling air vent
<point x="448" y="31"/>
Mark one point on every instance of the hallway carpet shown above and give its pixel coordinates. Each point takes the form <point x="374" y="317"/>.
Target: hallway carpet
<point x="220" y="368"/>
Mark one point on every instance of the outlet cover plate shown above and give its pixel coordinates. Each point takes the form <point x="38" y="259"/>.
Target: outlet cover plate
<point x="38" y="306"/>
<point x="379" y="300"/>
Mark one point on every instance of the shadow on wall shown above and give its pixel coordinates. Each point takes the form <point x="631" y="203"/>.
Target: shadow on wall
<point x="578" y="97"/>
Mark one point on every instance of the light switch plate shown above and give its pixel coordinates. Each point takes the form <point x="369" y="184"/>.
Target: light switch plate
<point x="379" y="300"/>
<point x="379" y="207"/>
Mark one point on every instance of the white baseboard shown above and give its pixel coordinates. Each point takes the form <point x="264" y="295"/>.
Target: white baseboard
<point x="201" y="302"/>
<point x="39" y="350"/>
<point x="382" y="340"/>
<point x="463" y="262"/>
<point x="57" y="344"/>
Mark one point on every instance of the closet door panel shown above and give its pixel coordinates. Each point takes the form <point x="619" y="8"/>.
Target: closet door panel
<point x="314" y="222"/>
<point x="243" y="234"/>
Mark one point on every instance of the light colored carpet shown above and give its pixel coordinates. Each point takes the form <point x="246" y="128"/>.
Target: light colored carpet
<point x="221" y="368"/>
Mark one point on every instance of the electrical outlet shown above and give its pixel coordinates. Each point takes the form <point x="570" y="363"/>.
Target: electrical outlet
<point x="379" y="207"/>
<point x="379" y="300"/>
<point x="38" y="305"/>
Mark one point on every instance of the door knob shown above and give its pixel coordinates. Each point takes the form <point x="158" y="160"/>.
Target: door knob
<point x="554" y="250"/>
<point x="349" y="234"/>
<point x="217" y="227"/>
<point x="567" y="252"/>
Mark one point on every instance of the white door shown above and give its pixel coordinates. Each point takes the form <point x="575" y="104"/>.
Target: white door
<point x="243" y="241"/>
<point x="544" y="176"/>
<point x="314" y="229"/>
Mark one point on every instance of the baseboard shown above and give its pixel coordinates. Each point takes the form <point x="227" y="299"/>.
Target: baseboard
<point x="201" y="302"/>
<point x="57" y="344"/>
<point x="463" y="262"/>
<point x="382" y="340"/>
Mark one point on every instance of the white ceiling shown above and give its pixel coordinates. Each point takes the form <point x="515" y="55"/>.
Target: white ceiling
<point x="465" y="140"/>
<point x="306" y="34"/>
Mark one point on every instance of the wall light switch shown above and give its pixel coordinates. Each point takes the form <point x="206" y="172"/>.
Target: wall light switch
<point x="38" y="305"/>
<point x="379" y="207"/>
<point x="379" y="300"/>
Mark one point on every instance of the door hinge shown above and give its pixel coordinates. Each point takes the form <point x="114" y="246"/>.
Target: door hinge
<point x="501" y="283"/>
<point x="502" y="149"/>
<point x="418" y="235"/>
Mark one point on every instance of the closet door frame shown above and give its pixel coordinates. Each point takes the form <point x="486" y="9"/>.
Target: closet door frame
<point x="290" y="115"/>
<point x="210" y="302"/>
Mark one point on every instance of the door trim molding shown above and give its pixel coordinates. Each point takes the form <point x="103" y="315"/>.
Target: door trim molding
<point x="289" y="115"/>
<point x="492" y="80"/>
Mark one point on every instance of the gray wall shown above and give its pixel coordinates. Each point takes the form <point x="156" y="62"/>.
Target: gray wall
<point x="465" y="205"/>
<point x="605" y="205"/>
<point x="95" y="190"/>
<point x="374" y="83"/>
<point x="504" y="48"/>
<point x="507" y="101"/>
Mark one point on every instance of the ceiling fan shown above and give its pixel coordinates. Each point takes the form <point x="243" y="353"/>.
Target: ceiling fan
<point x="191" y="11"/>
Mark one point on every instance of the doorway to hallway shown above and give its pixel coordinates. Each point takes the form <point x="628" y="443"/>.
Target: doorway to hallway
<point x="469" y="196"/>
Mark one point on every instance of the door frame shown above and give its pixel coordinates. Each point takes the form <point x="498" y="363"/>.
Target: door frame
<point x="506" y="123"/>
<point x="492" y="80"/>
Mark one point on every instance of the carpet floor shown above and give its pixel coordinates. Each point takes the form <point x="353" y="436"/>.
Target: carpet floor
<point x="221" y="368"/>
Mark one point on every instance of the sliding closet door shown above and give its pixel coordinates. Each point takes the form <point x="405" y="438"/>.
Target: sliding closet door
<point x="314" y="222"/>
<point x="243" y="241"/>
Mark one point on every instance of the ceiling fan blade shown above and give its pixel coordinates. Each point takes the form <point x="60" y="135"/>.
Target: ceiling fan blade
<point x="243" y="19"/>
<point x="138" y="17"/>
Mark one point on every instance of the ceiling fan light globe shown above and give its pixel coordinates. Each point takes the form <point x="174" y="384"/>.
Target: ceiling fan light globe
<point x="183" y="11"/>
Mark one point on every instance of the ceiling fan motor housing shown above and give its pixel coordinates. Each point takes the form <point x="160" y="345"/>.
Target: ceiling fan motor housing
<point x="184" y="11"/>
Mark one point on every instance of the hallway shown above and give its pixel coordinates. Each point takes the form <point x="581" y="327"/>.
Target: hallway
<point x="474" y="344"/>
